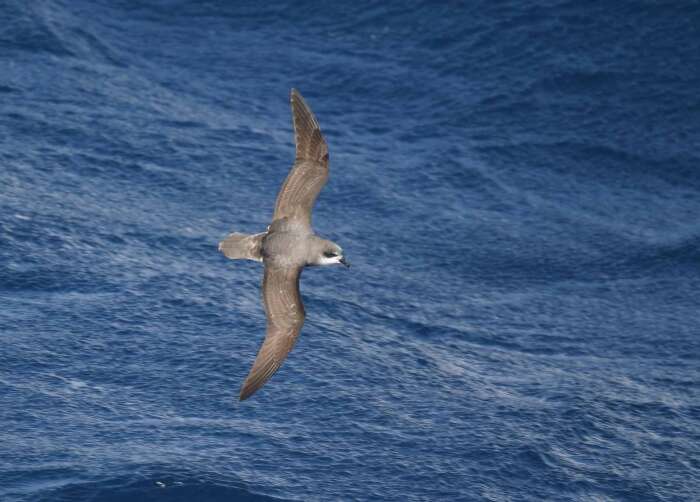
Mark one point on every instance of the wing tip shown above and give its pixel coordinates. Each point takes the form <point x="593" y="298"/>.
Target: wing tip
<point x="259" y="375"/>
<point x="254" y="381"/>
<point x="245" y="394"/>
<point x="308" y="138"/>
<point x="251" y="387"/>
<point x="247" y="389"/>
<point x="295" y="97"/>
<point x="299" y="105"/>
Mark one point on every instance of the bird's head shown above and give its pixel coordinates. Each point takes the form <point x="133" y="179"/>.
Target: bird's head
<point x="330" y="254"/>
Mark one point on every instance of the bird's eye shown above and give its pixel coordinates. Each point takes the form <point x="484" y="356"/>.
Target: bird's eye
<point x="329" y="254"/>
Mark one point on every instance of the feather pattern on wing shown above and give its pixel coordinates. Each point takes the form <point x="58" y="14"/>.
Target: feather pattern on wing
<point x="309" y="174"/>
<point x="285" y="317"/>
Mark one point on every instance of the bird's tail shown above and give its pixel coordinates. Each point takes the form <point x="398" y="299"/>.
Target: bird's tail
<point x="242" y="246"/>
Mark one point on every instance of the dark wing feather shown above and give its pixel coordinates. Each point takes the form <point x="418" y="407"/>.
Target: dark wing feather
<point x="310" y="171"/>
<point x="285" y="317"/>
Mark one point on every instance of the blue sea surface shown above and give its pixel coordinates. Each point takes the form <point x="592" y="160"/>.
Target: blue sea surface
<point x="517" y="186"/>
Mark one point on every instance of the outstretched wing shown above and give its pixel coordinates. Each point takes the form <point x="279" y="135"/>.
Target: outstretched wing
<point x="310" y="171"/>
<point x="285" y="317"/>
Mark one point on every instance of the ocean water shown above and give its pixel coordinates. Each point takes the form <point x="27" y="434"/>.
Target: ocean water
<point x="517" y="186"/>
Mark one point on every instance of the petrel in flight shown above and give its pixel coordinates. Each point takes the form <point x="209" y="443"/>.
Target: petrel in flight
<point x="288" y="245"/>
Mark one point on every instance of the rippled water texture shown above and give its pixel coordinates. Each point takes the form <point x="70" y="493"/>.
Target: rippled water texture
<point x="517" y="188"/>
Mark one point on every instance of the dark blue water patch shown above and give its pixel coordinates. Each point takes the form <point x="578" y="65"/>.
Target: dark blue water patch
<point x="152" y="487"/>
<point x="28" y="29"/>
<point x="45" y="280"/>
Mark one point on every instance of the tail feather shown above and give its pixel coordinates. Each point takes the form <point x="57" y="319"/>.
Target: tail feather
<point x="242" y="246"/>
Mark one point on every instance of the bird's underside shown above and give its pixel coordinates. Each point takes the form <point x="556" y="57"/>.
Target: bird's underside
<point x="283" y="249"/>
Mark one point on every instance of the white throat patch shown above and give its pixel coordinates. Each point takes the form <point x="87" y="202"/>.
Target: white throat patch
<point x="329" y="261"/>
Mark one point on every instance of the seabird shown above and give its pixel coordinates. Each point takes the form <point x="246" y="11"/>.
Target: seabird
<point x="288" y="245"/>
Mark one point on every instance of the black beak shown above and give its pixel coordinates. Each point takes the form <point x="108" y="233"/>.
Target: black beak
<point x="342" y="260"/>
